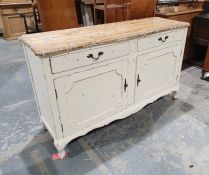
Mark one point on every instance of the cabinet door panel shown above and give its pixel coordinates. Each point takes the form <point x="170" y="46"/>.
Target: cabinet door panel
<point x="157" y="72"/>
<point x="91" y="96"/>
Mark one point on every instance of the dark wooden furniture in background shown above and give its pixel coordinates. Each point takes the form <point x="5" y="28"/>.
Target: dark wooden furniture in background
<point x="86" y="7"/>
<point x="142" y="9"/>
<point x="204" y="4"/>
<point x="135" y="9"/>
<point x="206" y="64"/>
<point x="174" y="2"/>
<point x="36" y="26"/>
<point x="200" y="38"/>
<point x="181" y="13"/>
<point x="57" y="14"/>
<point x="113" y="10"/>
<point x="12" y="22"/>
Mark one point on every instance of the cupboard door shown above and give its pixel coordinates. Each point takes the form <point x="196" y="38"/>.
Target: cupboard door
<point x="13" y="26"/>
<point x="88" y="97"/>
<point x="157" y="72"/>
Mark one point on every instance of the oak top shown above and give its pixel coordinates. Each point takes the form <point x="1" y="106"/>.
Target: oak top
<point x="62" y="41"/>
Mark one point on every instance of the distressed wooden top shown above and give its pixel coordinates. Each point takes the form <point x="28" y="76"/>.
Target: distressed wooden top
<point x="62" y="41"/>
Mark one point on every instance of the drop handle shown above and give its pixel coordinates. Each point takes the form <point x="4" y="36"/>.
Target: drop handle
<point x="138" y="80"/>
<point x="125" y="85"/>
<point x="163" y="40"/>
<point x="95" y="58"/>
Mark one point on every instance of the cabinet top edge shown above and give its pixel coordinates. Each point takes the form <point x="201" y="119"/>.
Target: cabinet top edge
<point x="58" y="42"/>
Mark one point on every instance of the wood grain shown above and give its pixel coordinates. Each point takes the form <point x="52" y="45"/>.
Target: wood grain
<point x="111" y="10"/>
<point x="63" y="41"/>
<point x="12" y="23"/>
<point x="57" y="15"/>
<point x="142" y="9"/>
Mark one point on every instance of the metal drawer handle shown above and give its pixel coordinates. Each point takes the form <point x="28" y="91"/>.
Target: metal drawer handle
<point x="138" y="80"/>
<point x="163" y="40"/>
<point x="125" y="85"/>
<point x="92" y="56"/>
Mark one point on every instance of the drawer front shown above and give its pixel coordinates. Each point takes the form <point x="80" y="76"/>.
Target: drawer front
<point x="160" y="39"/>
<point x="88" y="57"/>
<point x="16" y="11"/>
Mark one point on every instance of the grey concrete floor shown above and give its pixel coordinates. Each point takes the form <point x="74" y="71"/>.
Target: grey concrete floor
<point x="165" y="138"/>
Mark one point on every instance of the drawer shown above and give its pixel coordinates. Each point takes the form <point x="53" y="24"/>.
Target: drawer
<point x="16" y="11"/>
<point x="87" y="57"/>
<point x="160" y="39"/>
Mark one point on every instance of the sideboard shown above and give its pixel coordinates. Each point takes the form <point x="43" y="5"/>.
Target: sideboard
<point x="87" y="77"/>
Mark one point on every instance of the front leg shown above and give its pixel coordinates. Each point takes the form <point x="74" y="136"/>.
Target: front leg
<point x="61" y="151"/>
<point x="62" y="154"/>
<point x="174" y="95"/>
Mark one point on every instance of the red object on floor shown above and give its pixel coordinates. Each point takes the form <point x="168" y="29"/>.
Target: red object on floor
<point x="56" y="156"/>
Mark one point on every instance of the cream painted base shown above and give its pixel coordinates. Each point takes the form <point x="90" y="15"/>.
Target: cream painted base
<point x="92" y="87"/>
<point x="61" y="144"/>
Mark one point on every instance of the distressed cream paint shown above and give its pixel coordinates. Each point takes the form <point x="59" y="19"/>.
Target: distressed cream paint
<point x="87" y="77"/>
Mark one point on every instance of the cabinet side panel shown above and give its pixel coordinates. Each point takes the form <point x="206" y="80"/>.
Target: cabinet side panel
<point x="179" y="66"/>
<point x="40" y="89"/>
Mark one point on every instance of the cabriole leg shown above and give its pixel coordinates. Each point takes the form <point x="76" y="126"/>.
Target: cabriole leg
<point x="61" y="152"/>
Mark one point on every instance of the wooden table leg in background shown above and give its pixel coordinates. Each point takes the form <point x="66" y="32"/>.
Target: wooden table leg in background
<point x="206" y="64"/>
